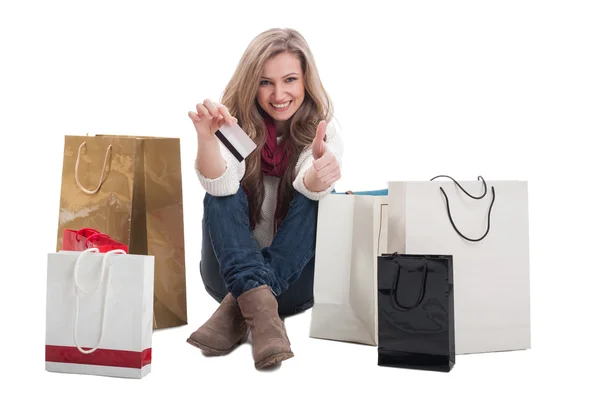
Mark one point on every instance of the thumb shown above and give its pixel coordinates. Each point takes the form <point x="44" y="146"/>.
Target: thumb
<point x="319" y="141"/>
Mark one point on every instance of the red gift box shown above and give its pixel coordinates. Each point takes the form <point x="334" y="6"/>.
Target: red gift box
<point x="85" y="238"/>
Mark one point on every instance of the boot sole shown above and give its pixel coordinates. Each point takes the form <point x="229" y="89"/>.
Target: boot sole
<point x="216" y="352"/>
<point x="273" y="360"/>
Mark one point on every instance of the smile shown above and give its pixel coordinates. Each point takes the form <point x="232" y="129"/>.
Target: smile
<point x="281" y="107"/>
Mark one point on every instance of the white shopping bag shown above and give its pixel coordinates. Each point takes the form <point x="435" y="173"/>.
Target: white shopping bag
<point x="351" y="233"/>
<point x="488" y="237"/>
<point x="99" y="313"/>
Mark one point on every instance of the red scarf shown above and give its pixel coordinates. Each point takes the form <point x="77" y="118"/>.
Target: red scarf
<point x="274" y="162"/>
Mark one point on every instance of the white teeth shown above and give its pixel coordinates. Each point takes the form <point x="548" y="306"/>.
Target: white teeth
<point x="281" y="106"/>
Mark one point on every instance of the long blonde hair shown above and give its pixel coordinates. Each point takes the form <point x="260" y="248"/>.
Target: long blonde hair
<point x="240" y="98"/>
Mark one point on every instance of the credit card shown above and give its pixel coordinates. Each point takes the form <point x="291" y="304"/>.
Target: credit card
<point x="236" y="141"/>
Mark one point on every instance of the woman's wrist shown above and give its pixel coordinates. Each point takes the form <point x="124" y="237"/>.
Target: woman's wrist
<point x="209" y="160"/>
<point x="312" y="183"/>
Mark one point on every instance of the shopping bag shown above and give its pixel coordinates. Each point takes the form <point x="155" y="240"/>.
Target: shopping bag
<point x="351" y="233"/>
<point x="484" y="226"/>
<point x="129" y="188"/>
<point x="415" y="312"/>
<point x="86" y="238"/>
<point x="99" y="313"/>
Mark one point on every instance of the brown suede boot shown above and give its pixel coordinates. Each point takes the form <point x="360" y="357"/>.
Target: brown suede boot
<point x="270" y="344"/>
<point x="223" y="331"/>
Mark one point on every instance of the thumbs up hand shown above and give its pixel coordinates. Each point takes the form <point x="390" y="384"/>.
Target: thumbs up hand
<point x="325" y="169"/>
<point x="318" y="145"/>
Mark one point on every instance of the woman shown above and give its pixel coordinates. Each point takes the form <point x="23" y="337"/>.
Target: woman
<point x="261" y="213"/>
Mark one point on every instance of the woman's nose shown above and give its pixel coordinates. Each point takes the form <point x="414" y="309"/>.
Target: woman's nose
<point x="278" y="93"/>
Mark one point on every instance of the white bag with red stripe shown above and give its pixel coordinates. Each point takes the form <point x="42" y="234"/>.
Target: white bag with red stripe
<point x="99" y="310"/>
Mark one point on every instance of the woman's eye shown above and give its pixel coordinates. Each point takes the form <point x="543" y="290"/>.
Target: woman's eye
<point x="264" y="82"/>
<point x="290" y="79"/>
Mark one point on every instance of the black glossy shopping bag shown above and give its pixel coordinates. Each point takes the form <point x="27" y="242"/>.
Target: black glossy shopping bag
<point x="416" y="312"/>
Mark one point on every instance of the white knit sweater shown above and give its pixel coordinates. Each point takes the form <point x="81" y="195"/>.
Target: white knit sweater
<point x="229" y="183"/>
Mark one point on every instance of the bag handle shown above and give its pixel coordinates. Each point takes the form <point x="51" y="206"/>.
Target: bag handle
<point x="380" y="220"/>
<point x="462" y="189"/>
<point x="380" y="225"/>
<point x="85" y="231"/>
<point x="489" y="216"/>
<point x="108" y="149"/>
<point x="96" y="237"/>
<point x="105" y="269"/>
<point x="394" y="294"/>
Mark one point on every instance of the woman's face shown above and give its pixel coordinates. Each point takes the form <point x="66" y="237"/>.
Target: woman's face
<point x="281" y="88"/>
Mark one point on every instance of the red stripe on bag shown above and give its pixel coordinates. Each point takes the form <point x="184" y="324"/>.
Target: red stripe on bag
<point x="100" y="357"/>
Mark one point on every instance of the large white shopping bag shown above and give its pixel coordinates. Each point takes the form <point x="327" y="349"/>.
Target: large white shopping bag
<point x="351" y="233"/>
<point x="484" y="226"/>
<point x="99" y="313"/>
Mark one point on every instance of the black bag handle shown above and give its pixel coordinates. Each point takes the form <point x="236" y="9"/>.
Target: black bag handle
<point x="462" y="189"/>
<point x="394" y="293"/>
<point x="489" y="216"/>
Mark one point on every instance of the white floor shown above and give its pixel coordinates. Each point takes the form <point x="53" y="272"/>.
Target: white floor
<point x="329" y="368"/>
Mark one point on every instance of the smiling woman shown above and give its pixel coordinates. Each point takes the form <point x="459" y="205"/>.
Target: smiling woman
<point x="260" y="214"/>
<point x="281" y="90"/>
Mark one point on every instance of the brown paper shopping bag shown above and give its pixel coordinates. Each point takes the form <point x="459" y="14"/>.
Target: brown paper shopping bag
<point x="130" y="189"/>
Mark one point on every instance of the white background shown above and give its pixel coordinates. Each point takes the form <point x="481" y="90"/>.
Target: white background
<point x="503" y="89"/>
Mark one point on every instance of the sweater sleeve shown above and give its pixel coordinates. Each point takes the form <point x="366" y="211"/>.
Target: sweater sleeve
<point x="229" y="182"/>
<point x="334" y="144"/>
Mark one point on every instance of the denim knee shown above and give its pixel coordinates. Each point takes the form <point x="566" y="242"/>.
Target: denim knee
<point x="225" y="203"/>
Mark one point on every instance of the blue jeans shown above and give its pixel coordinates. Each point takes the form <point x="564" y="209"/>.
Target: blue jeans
<point x="243" y="265"/>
